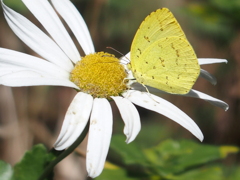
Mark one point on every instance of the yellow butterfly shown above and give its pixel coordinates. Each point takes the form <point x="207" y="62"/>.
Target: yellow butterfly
<point x="161" y="56"/>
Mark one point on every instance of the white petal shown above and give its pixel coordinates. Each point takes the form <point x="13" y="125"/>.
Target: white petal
<point x="75" y="120"/>
<point x="206" y="75"/>
<point x="100" y="133"/>
<point x="76" y="23"/>
<point x="46" y="15"/>
<point x="31" y="78"/>
<point x="128" y="55"/>
<point x="125" y="59"/>
<point x="4" y="70"/>
<point x="130" y="117"/>
<point x="24" y="74"/>
<point x="17" y="59"/>
<point x="203" y="61"/>
<point x="159" y="105"/>
<point x="210" y="99"/>
<point x="36" y="39"/>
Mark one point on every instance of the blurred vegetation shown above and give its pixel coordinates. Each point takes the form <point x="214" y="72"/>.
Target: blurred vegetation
<point x="168" y="160"/>
<point x="31" y="115"/>
<point x="182" y="159"/>
<point x="215" y="19"/>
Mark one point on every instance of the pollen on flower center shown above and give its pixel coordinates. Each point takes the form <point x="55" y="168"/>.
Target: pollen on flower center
<point x="100" y="74"/>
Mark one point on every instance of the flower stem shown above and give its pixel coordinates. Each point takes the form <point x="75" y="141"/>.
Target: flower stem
<point x="60" y="155"/>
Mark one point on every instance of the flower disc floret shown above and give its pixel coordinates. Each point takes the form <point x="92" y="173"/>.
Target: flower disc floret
<point x="100" y="74"/>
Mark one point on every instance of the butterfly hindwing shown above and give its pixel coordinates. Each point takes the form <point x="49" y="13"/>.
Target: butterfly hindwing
<point x="169" y="65"/>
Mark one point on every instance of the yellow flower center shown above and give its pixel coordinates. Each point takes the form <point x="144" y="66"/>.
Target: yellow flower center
<point x="100" y="74"/>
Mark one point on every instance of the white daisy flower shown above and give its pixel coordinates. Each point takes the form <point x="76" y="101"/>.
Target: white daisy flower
<point x="98" y="77"/>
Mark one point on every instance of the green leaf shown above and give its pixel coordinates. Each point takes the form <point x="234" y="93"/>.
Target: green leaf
<point x="211" y="173"/>
<point x="17" y="5"/>
<point x="226" y="150"/>
<point x="127" y="153"/>
<point x="6" y="171"/>
<point x="32" y="164"/>
<point x="111" y="172"/>
<point x="131" y="156"/>
<point x="171" y="157"/>
<point x="179" y="160"/>
<point x="232" y="173"/>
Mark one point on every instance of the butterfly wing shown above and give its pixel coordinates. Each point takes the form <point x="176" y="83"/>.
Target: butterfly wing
<point x="169" y="64"/>
<point x="157" y="25"/>
<point x="161" y="56"/>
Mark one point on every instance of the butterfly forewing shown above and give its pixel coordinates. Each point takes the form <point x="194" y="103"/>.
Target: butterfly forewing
<point x="157" y="25"/>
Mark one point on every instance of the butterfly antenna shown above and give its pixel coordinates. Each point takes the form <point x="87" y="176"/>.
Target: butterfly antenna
<point x="122" y="59"/>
